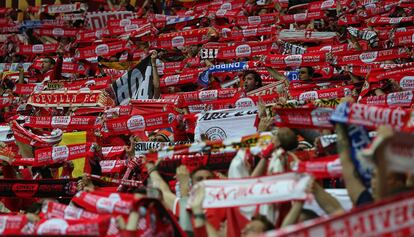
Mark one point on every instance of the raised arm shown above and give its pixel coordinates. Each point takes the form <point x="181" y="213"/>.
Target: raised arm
<point x="352" y="181"/>
<point x="155" y="76"/>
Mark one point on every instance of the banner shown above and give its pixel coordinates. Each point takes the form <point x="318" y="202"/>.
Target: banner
<point x="399" y="153"/>
<point x="391" y="217"/>
<point x="70" y="99"/>
<point x="226" y="124"/>
<point x="97" y="20"/>
<point x="255" y="191"/>
<point x="42" y="188"/>
<point x="135" y="84"/>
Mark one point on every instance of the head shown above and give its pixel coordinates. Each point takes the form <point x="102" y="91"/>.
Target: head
<point x="162" y="136"/>
<point x="395" y="183"/>
<point x="306" y="73"/>
<point x="288" y="139"/>
<point x="251" y="80"/>
<point x="259" y="224"/>
<point x="47" y="64"/>
<point x="200" y="174"/>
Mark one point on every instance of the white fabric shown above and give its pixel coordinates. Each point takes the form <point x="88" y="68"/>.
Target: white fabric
<point x="226" y="124"/>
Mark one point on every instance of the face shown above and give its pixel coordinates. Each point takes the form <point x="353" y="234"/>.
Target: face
<point x="201" y="175"/>
<point x="253" y="228"/>
<point x="249" y="82"/>
<point x="46" y="65"/>
<point x="304" y="74"/>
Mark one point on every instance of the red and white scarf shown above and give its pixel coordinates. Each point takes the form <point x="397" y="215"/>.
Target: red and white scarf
<point x="253" y="191"/>
<point x="113" y="203"/>
<point x="38" y="49"/>
<point x="80" y="123"/>
<point x="56" y="32"/>
<point x="25" y="136"/>
<point x="303" y="60"/>
<point x="384" y="218"/>
<point x="264" y="19"/>
<point x="330" y="93"/>
<point x="59" y="154"/>
<point x="113" y="166"/>
<point x="244" y="49"/>
<point x="137" y="123"/>
<point x="70" y="98"/>
<point x="303" y="117"/>
<point x="82" y="227"/>
<point x="106" y="49"/>
<point x="396" y="99"/>
<point x="63" y="8"/>
<point x="181" y="38"/>
<point x="372" y="57"/>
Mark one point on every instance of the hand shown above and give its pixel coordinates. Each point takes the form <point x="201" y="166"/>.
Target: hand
<point x="261" y="108"/>
<point x="182" y="174"/>
<point x="154" y="56"/>
<point x="385" y="131"/>
<point x="196" y="202"/>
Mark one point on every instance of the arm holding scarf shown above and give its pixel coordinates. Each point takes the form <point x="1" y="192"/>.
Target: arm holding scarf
<point x="353" y="184"/>
<point x="156" y="77"/>
<point x="158" y="182"/>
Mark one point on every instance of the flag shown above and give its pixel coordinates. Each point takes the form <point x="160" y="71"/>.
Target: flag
<point x="135" y="84"/>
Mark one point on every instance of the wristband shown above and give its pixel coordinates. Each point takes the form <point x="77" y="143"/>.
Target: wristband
<point x="201" y="216"/>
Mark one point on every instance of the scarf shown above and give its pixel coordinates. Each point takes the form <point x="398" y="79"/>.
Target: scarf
<point x="372" y="57"/>
<point x="107" y="49"/>
<point x="56" y="226"/>
<point x="25" y="136"/>
<point x="52" y="209"/>
<point x="42" y="188"/>
<point x="110" y="167"/>
<point x="372" y="116"/>
<point x="136" y="123"/>
<point x="37" y="49"/>
<point x="321" y="167"/>
<point x="56" y="32"/>
<point x="308" y="117"/>
<point x="265" y="19"/>
<point x="331" y="93"/>
<point x="306" y="36"/>
<point x="70" y="99"/>
<point x="395" y="99"/>
<point x="182" y="38"/>
<point x="301" y="18"/>
<point x="253" y="191"/>
<point x="245" y="50"/>
<point x="381" y="219"/>
<point x="113" y="203"/>
<point x="298" y="60"/>
<point x="186" y="77"/>
<point x="236" y="35"/>
<point x="64" y="8"/>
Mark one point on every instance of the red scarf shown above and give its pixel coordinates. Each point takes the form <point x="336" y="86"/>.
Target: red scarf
<point x="56" y="32"/>
<point x="107" y="49"/>
<point x="38" y="49"/>
<point x="136" y="123"/>
<point x="69" y="99"/>
<point x="396" y="99"/>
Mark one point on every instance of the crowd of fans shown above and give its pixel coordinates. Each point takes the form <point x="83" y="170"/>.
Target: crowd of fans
<point x="325" y="86"/>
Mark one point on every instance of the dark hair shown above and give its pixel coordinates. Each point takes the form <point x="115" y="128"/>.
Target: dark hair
<point x="311" y="71"/>
<point x="287" y="138"/>
<point x="256" y="77"/>
<point x="201" y="167"/>
<point x="267" y="224"/>
<point x="52" y="61"/>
